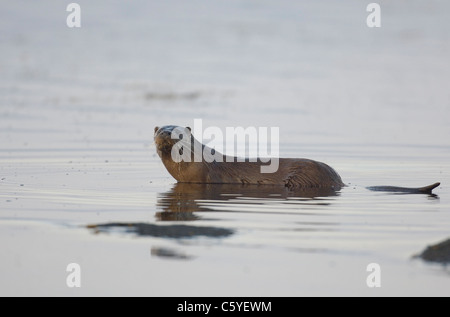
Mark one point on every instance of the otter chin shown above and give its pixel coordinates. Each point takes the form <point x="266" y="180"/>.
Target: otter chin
<point x="222" y="169"/>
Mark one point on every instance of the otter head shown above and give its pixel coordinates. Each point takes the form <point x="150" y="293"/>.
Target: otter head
<point x="167" y="136"/>
<point x="174" y="147"/>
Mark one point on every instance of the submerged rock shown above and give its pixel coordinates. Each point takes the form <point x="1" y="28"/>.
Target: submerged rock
<point x="439" y="253"/>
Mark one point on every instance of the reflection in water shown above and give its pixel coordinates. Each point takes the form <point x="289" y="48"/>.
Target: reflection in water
<point x="180" y="203"/>
<point x="184" y="201"/>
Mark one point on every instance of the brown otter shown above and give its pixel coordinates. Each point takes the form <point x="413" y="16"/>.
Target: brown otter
<point x="291" y="172"/>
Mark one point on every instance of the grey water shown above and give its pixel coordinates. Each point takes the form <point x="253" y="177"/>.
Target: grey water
<point x="80" y="180"/>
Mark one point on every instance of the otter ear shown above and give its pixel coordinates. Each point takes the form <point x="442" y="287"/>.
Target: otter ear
<point x="156" y="129"/>
<point x="189" y="128"/>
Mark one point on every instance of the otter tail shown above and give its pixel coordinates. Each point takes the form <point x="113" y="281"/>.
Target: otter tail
<point x="421" y="190"/>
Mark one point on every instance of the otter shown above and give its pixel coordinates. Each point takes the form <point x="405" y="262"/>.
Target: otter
<point x="222" y="169"/>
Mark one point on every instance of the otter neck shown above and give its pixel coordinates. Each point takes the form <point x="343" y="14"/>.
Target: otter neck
<point x="183" y="171"/>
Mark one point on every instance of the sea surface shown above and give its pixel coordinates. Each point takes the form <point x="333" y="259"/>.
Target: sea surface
<point x="80" y="180"/>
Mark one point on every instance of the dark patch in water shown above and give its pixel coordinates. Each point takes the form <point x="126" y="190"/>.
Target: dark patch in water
<point x="164" y="231"/>
<point x="169" y="253"/>
<point x="438" y="253"/>
<point x="170" y="96"/>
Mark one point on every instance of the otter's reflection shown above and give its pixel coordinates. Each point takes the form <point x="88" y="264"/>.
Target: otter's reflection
<point x="183" y="201"/>
<point x="180" y="203"/>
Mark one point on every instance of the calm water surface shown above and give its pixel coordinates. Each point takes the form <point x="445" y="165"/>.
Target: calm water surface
<point x="81" y="181"/>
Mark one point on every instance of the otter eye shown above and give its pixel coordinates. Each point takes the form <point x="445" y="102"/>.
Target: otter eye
<point x="181" y="151"/>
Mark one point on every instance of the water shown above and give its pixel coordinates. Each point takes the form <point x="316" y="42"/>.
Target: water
<point x="81" y="182"/>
